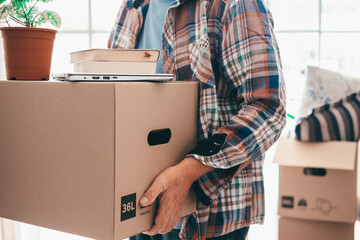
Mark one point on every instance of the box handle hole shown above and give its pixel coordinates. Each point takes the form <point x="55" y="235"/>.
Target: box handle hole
<point x="159" y="136"/>
<point x="315" y="172"/>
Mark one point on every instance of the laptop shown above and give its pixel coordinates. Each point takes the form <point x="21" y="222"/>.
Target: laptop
<point x="111" y="77"/>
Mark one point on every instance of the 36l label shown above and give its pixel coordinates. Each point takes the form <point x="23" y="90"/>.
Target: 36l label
<point x="128" y="206"/>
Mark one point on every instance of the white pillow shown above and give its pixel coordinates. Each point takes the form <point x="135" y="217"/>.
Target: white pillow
<point x="324" y="86"/>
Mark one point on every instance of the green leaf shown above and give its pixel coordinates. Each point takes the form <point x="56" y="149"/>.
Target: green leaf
<point x="2" y="1"/>
<point x="19" y="13"/>
<point x="32" y="12"/>
<point x="5" y="10"/>
<point x="19" y="8"/>
<point x="18" y="4"/>
<point x="290" y="116"/>
<point x="52" y="17"/>
<point x="31" y="15"/>
<point x="40" y="20"/>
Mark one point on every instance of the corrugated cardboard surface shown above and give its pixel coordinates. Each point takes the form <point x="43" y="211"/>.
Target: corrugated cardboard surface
<point x="156" y="102"/>
<point x="331" y="197"/>
<point x="56" y="155"/>
<point x="295" y="229"/>
<point x="59" y="153"/>
<point x="331" y="155"/>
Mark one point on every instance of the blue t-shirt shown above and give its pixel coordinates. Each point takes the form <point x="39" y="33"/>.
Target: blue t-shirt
<point x="152" y="33"/>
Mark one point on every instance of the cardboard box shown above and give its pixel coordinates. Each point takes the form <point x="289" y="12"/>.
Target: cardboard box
<point x="296" y="229"/>
<point x="318" y="180"/>
<point x="77" y="157"/>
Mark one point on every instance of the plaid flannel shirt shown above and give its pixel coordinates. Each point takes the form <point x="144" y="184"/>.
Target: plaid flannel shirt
<point x="229" y="48"/>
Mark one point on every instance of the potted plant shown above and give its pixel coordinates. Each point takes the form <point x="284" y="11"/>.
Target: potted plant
<point x="28" y="49"/>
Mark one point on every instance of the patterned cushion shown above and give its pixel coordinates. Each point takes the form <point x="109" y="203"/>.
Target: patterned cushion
<point x="339" y="121"/>
<point x="323" y="87"/>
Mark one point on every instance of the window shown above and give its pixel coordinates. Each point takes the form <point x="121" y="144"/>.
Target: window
<point x="85" y="24"/>
<point x="323" y="33"/>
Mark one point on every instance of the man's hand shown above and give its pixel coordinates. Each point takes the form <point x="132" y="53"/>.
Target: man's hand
<point x="172" y="187"/>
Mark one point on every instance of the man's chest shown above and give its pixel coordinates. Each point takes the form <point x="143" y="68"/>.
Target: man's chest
<point x="191" y="40"/>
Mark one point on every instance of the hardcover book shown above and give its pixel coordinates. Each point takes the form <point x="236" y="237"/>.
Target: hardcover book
<point x="115" y="55"/>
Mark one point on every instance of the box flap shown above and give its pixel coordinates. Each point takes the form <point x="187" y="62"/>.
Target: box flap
<point x="339" y="155"/>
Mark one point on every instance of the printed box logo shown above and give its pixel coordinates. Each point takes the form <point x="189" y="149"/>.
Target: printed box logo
<point x="324" y="206"/>
<point x="128" y="207"/>
<point x="287" y="202"/>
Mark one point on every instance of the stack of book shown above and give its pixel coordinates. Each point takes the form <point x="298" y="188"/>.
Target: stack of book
<point x="98" y="60"/>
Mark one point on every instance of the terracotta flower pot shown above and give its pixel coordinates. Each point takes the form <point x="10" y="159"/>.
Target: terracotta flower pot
<point x="28" y="52"/>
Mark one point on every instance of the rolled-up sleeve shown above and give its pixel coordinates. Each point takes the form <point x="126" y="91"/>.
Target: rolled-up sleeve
<point x="250" y="63"/>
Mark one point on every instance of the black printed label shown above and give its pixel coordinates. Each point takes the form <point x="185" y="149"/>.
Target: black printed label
<point x="302" y="203"/>
<point x="128" y="207"/>
<point x="287" y="202"/>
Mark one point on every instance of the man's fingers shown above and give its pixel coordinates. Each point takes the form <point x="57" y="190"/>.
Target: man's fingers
<point x="159" y="229"/>
<point x="171" y="201"/>
<point x="151" y="194"/>
<point x="153" y="230"/>
<point x="160" y="223"/>
<point x="169" y="227"/>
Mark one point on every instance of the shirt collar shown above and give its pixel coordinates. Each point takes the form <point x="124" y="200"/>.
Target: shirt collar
<point x="138" y="3"/>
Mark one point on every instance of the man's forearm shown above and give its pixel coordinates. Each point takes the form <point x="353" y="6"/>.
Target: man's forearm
<point x="192" y="169"/>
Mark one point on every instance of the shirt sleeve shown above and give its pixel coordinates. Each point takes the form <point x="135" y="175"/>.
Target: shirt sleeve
<point x="250" y="61"/>
<point x="125" y="26"/>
